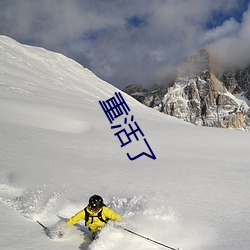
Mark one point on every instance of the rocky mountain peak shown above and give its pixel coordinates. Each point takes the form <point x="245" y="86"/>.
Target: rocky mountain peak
<point x="200" y="96"/>
<point x="196" y="64"/>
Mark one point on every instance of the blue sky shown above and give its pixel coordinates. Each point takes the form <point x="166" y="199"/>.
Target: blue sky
<point x="131" y="41"/>
<point x="218" y="17"/>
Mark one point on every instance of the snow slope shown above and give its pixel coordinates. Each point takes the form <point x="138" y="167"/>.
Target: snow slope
<point x="57" y="148"/>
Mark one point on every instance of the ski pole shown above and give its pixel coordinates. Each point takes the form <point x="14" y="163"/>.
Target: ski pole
<point x="146" y="238"/>
<point x="45" y="228"/>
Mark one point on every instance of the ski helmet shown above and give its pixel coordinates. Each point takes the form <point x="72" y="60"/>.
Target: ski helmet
<point x="95" y="202"/>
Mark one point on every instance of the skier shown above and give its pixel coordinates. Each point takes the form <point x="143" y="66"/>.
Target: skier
<point x="95" y="214"/>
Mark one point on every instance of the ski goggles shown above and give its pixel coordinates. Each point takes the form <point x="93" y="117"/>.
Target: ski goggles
<point x="94" y="208"/>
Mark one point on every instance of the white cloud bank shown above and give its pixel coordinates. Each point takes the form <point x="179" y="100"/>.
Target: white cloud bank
<point x="130" y="41"/>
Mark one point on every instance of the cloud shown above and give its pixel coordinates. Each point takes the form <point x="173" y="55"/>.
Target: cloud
<point x="125" y="42"/>
<point x="233" y="49"/>
<point x="228" y="28"/>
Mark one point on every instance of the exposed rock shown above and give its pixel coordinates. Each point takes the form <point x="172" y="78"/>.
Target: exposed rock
<point x="201" y="97"/>
<point x="237" y="81"/>
<point x="137" y="91"/>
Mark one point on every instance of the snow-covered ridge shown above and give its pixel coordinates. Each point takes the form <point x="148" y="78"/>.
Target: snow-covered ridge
<point x="34" y="66"/>
<point x="35" y="74"/>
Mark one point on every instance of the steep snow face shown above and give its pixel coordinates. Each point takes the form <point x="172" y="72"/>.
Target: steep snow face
<point x="58" y="148"/>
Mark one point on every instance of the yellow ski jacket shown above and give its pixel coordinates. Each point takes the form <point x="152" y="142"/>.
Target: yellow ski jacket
<point x="94" y="223"/>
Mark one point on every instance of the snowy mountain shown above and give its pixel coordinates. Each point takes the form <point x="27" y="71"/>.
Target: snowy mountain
<point x="58" y="148"/>
<point x="201" y="95"/>
<point x="237" y="81"/>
